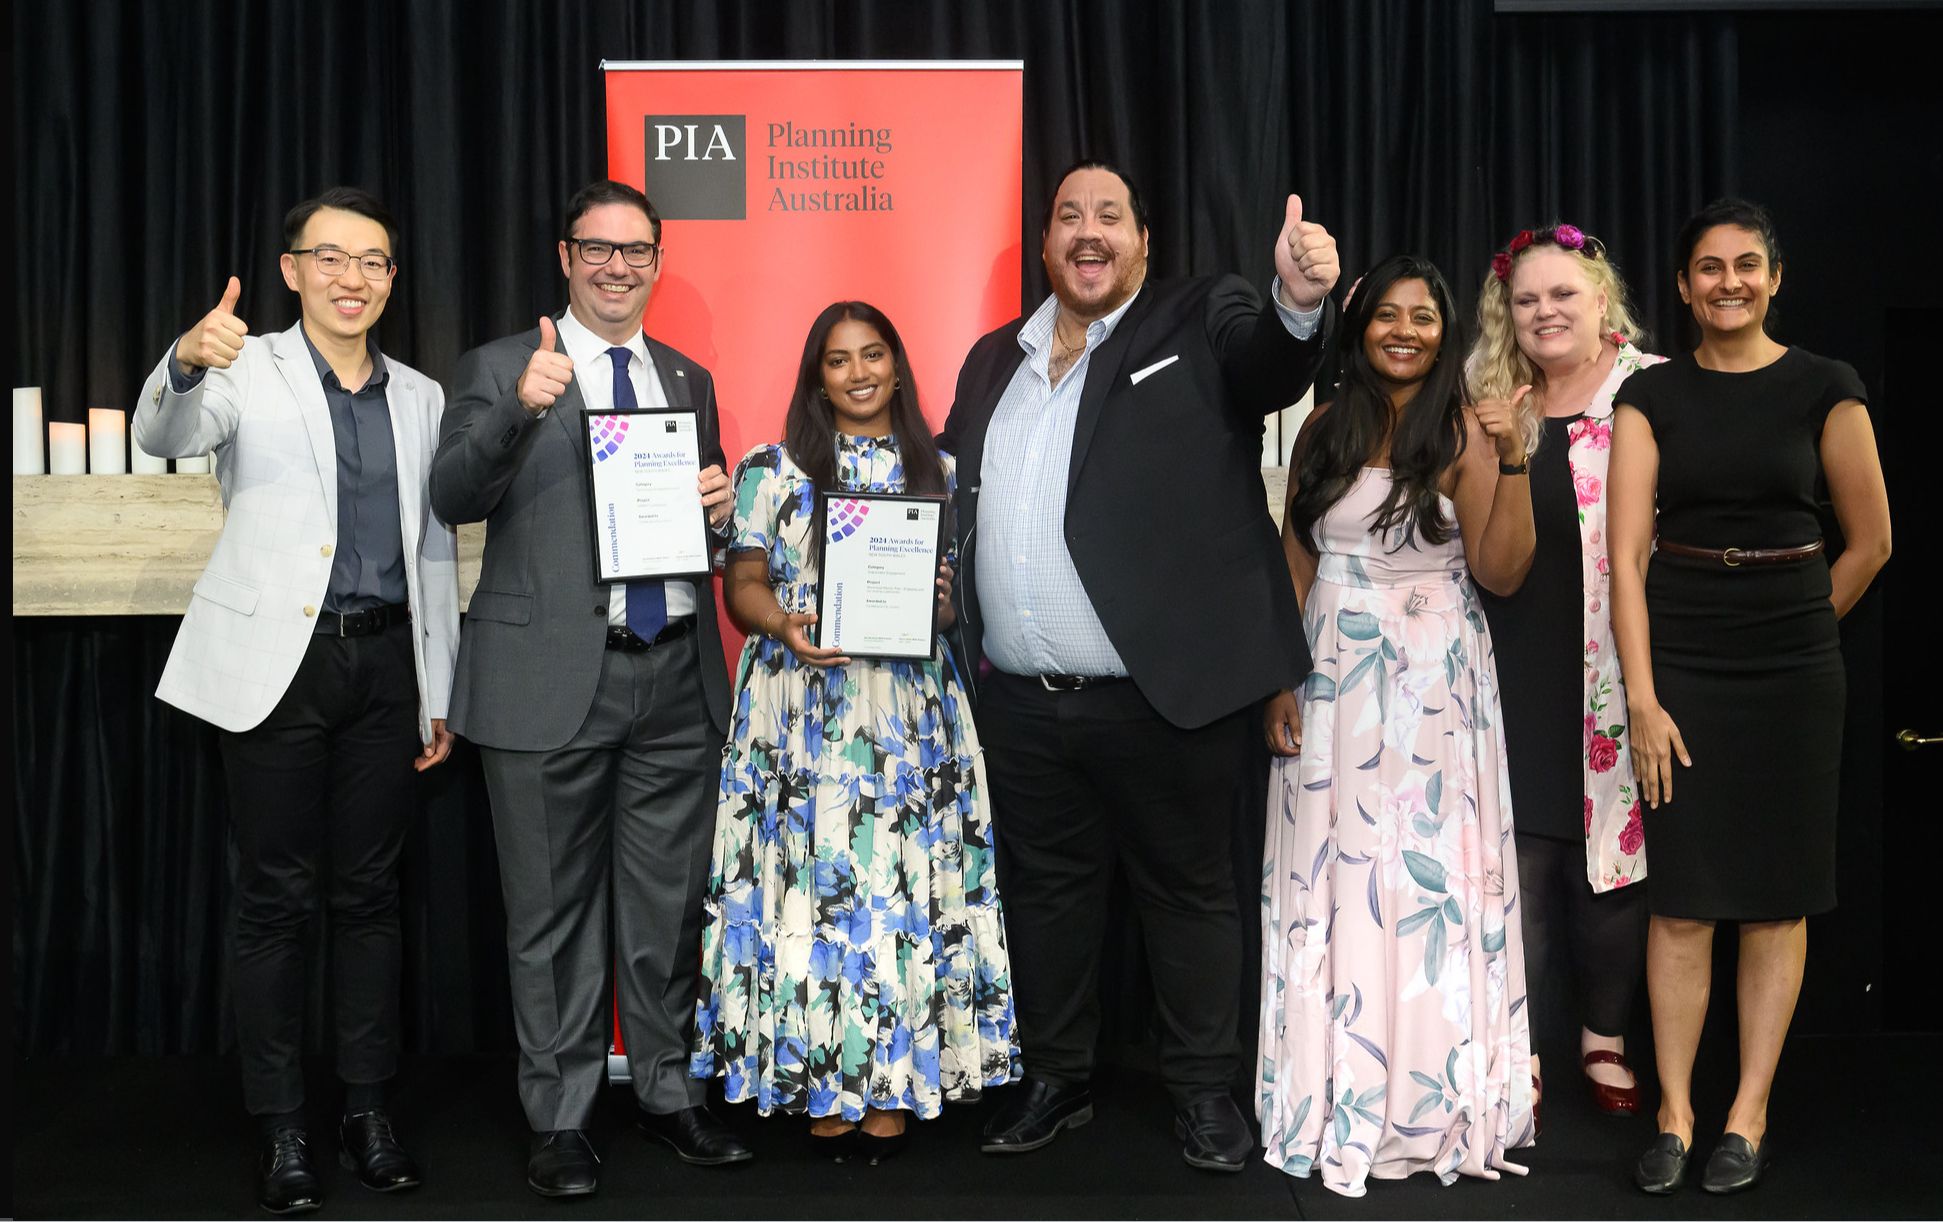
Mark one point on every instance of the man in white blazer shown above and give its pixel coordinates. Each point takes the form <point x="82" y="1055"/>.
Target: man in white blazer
<point x="320" y="640"/>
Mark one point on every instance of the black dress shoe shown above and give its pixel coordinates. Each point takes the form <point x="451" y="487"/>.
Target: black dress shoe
<point x="1037" y="1111"/>
<point x="1663" y="1168"/>
<point x="365" y="1144"/>
<point x="1734" y="1165"/>
<point x="285" y="1184"/>
<point x="562" y="1164"/>
<point x="1213" y="1134"/>
<point x="696" y="1137"/>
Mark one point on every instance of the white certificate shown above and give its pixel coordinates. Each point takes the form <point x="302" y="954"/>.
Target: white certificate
<point x="879" y="594"/>
<point x="648" y="518"/>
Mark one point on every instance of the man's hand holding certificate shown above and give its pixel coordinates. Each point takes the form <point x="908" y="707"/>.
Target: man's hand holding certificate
<point x="649" y="520"/>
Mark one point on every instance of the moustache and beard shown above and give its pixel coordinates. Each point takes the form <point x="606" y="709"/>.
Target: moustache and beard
<point x="1095" y="289"/>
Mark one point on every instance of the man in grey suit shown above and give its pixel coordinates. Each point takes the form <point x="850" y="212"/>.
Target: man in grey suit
<point x="599" y="710"/>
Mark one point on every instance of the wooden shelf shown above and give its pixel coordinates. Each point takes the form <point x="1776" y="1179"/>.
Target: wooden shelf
<point x="130" y="544"/>
<point x="135" y="544"/>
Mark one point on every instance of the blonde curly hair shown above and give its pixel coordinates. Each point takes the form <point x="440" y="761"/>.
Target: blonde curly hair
<point x="1497" y="367"/>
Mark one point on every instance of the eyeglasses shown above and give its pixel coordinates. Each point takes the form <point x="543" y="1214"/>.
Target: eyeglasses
<point x="332" y="262"/>
<point x="596" y="251"/>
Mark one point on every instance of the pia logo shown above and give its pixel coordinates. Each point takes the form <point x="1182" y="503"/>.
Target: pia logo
<point x="696" y="166"/>
<point x="606" y="433"/>
<point x="845" y="517"/>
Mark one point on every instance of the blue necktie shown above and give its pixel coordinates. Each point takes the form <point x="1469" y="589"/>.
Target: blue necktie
<point x="647" y="601"/>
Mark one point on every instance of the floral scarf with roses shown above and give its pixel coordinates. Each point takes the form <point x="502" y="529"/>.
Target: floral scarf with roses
<point x="1615" y="844"/>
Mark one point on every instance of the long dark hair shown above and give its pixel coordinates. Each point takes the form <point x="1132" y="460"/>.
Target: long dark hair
<point x="1424" y="441"/>
<point x="809" y="430"/>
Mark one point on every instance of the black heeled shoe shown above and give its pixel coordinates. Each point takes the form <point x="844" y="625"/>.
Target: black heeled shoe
<point x="877" y="1149"/>
<point x="835" y="1147"/>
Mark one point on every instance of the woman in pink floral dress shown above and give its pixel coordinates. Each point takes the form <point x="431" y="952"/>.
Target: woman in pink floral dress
<point x="1553" y="316"/>
<point x="1394" y="1035"/>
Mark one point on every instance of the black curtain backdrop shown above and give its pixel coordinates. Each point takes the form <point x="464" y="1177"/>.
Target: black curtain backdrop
<point x="159" y="145"/>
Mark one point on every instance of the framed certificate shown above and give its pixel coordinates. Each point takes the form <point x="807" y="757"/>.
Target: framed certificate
<point x="647" y="516"/>
<point x="879" y="593"/>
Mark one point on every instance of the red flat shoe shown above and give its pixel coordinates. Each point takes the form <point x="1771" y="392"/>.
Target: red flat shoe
<point x="1612" y="1100"/>
<point x="1537" y="1101"/>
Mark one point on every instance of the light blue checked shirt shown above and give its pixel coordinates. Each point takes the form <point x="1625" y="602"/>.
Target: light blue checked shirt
<point x="1037" y="618"/>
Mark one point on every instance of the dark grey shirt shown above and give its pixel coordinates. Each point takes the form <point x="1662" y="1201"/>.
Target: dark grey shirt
<point x="368" y="563"/>
<point x="368" y="567"/>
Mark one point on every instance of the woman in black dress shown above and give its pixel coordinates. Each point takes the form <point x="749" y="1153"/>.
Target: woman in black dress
<point x="1555" y="334"/>
<point x="1733" y="666"/>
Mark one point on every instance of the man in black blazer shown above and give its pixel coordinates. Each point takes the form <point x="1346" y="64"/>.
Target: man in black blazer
<point x="1122" y="578"/>
<point x="599" y="710"/>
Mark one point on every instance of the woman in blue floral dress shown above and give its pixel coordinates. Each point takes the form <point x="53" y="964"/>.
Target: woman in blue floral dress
<point x="853" y="953"/>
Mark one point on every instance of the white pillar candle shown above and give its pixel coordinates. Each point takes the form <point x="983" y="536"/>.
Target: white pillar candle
<point x="107" y="441"/>
<point x="141" y="462"/>
<point x="67" y="449"/>
<point x="199" y="465"/>
<point x="29" y="451"/>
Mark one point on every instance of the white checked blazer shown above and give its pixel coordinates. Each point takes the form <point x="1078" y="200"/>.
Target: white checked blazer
<point x="255" y="607"/>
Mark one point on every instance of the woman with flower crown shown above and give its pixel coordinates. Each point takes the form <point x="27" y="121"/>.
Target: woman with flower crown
<point x="1555" y="339"/>
<point x="1394" y="1037"/>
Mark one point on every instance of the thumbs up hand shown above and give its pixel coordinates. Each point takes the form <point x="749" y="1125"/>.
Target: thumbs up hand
<point x="217" y="340"/>
<point x="1305" y="260"/>
<point x="1499" y="418"/>
<point x="547" y="373"/>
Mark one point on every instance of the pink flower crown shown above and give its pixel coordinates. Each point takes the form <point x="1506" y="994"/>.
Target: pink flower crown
<point x="1571" y="237"/>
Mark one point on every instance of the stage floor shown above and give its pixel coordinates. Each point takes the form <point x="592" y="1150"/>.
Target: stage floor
<point x="1857" y="1130"/>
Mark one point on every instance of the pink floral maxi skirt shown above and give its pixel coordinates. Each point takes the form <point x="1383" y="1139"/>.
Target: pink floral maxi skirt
<point x="1394" y="1037"/>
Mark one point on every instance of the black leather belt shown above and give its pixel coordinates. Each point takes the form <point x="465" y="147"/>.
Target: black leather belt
<point x="362" y="623"/>
<point x="624" y="639"/>
<point x="1076" y="683"/>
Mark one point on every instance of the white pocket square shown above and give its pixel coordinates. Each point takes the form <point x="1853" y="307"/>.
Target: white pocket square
<point x="1152" y="369"/>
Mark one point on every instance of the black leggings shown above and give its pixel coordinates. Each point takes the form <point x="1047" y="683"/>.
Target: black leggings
<point x="1575" y="938"/>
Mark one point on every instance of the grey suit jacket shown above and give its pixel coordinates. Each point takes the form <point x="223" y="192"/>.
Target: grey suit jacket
<point x="530" y="653"/>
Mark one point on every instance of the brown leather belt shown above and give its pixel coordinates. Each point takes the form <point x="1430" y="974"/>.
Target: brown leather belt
<point x="1736" y="557"/>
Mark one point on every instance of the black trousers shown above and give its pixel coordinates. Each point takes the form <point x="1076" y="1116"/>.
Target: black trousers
<point x="320" y="795"/>
<point x="1578" y="942"/>
<point x="1086" y="782"/>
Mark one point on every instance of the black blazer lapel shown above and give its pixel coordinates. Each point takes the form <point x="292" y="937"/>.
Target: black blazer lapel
<point x="1000" y="366"/>
<point x="1102" y="376"/>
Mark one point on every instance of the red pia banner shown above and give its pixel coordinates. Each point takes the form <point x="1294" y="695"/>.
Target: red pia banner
<point x="783" y="187"/>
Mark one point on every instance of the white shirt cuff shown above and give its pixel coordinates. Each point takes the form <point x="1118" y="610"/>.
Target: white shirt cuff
<point x="1302" y="324"/>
